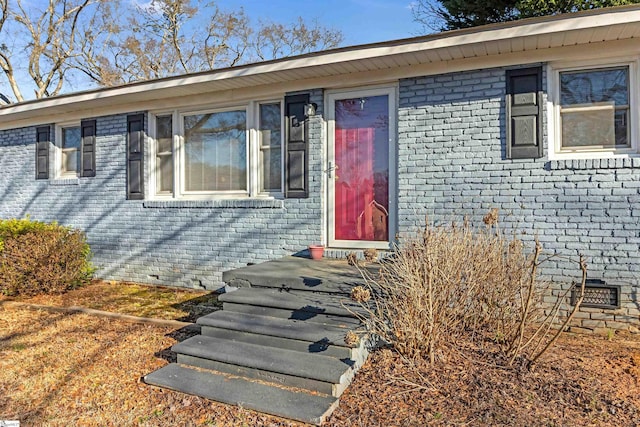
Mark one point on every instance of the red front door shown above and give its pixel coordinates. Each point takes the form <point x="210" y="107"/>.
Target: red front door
<point x="361" y="177"/>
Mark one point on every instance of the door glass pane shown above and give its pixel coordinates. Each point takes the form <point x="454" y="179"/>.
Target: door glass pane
<point x="216" y="151"/>
<point x="270" y="146"/>
<point x="362" y="179"/>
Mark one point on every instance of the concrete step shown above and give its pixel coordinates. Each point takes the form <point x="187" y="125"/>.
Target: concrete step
<point x="276" y="327"/>
<point x="297" y="273"/>
<point x="295" y="345"/>
<point x="275" y="378"/>
<point x="294" y="405"/>
<point x="308" y="303"/>
<point x="282" y="366"/>
<point x="337" y="321"/>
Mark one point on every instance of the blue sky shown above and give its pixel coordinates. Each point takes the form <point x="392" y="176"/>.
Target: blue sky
<point x="361" y="21"/>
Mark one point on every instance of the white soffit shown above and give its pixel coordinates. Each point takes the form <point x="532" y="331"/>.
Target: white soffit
<point x="482" y="42"/>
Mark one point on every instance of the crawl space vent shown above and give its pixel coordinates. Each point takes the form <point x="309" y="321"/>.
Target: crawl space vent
<point x="597" y="294"/>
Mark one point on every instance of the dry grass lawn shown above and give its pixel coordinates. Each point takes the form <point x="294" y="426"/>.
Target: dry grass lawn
<point x="59" y="369"/>
<point x="134" y="299"/>
<point x="79" y="370"/>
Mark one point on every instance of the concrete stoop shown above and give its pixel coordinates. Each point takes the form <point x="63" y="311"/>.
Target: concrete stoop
<point x="278" y="348"/>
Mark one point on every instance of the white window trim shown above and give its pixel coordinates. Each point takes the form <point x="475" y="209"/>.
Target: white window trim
<point x="553" y="109"/>
<point x="254" y="168"/>
<point x="59" y="174"/>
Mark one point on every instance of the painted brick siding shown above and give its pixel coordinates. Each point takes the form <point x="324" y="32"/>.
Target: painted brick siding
<point x="183" y="243"/>
<point x="451" y="162"/>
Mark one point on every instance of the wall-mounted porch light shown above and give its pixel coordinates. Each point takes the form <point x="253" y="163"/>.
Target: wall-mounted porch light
<point x="310" y="109"/>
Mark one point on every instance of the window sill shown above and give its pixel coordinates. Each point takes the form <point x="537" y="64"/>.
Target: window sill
<point x="584" y="164"/>
<point x="215" y="204"/>
<point x="64" y="181"/>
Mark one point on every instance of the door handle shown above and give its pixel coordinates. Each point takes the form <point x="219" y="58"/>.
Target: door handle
<point x="330" y="169"/>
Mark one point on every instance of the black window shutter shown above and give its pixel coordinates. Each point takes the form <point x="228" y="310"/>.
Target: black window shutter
<point x="524" y="113"/>
<point x="88" y="148"/>
<point x="43" y="136"/>
<point x="296" y="147"/>
<point x="135" y="157"/>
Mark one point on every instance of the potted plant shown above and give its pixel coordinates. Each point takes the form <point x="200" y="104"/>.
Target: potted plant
<point x="316" y="251"/>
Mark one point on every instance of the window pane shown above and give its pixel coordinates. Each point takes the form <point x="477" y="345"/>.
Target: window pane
<point x="164" y="154"/>
<point x="271" y="169"/>
<point x="621" y="127"/>
<point x="70" y="160"/>
<point x="271" y="136"/>
<point x="593" y="86"/>
<point x="164" y="134"/>
<point x="71" y="137"/>
<point x="216" y="151"/>
<point x="164" y="174"/>
<point x="595" y="108"/>
<point x="588" y="128"/>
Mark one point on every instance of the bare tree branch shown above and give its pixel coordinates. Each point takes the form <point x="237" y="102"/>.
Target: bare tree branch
<point x="51" y="36"/>
<point x="110" y="42"/>
<point x="4" y="7"/>
<point x="166" y="38"/>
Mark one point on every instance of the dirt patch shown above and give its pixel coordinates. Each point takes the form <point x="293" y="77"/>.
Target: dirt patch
<point x="584" y="380"/>
<point x="134" y="299"/>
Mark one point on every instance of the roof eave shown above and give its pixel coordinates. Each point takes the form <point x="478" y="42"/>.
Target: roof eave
<point x="449" y="44"/>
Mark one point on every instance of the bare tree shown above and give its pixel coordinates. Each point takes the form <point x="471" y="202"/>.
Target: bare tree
<point x="5" y="56"/>
<point x="49" y="38"/>
<point x="110" y="42"/>
<point x="275" y="40"/>
<point x="169" y="37"/>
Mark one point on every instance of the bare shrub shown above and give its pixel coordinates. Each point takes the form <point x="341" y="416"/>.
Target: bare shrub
<point x="491" y="218"/>
<point x="453" y="286"/>
<point x="360" y="294"/>
<point x="370" y="255"/>
<point x="352" y="258"/>
<point x="47" y="260"/>
<point x="351" y="339"/>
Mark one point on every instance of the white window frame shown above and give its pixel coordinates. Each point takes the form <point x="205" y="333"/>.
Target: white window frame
<point x="153" y="153"/>
<point x="60" y="173"/>
<point x="181" y="148"/>
<point x="253" y="166"/>
<point x="256" y="138"/>
<point x="555" y="151"/>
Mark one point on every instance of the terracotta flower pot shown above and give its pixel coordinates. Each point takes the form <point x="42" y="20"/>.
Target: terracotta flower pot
<point x="316" y="251"/>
